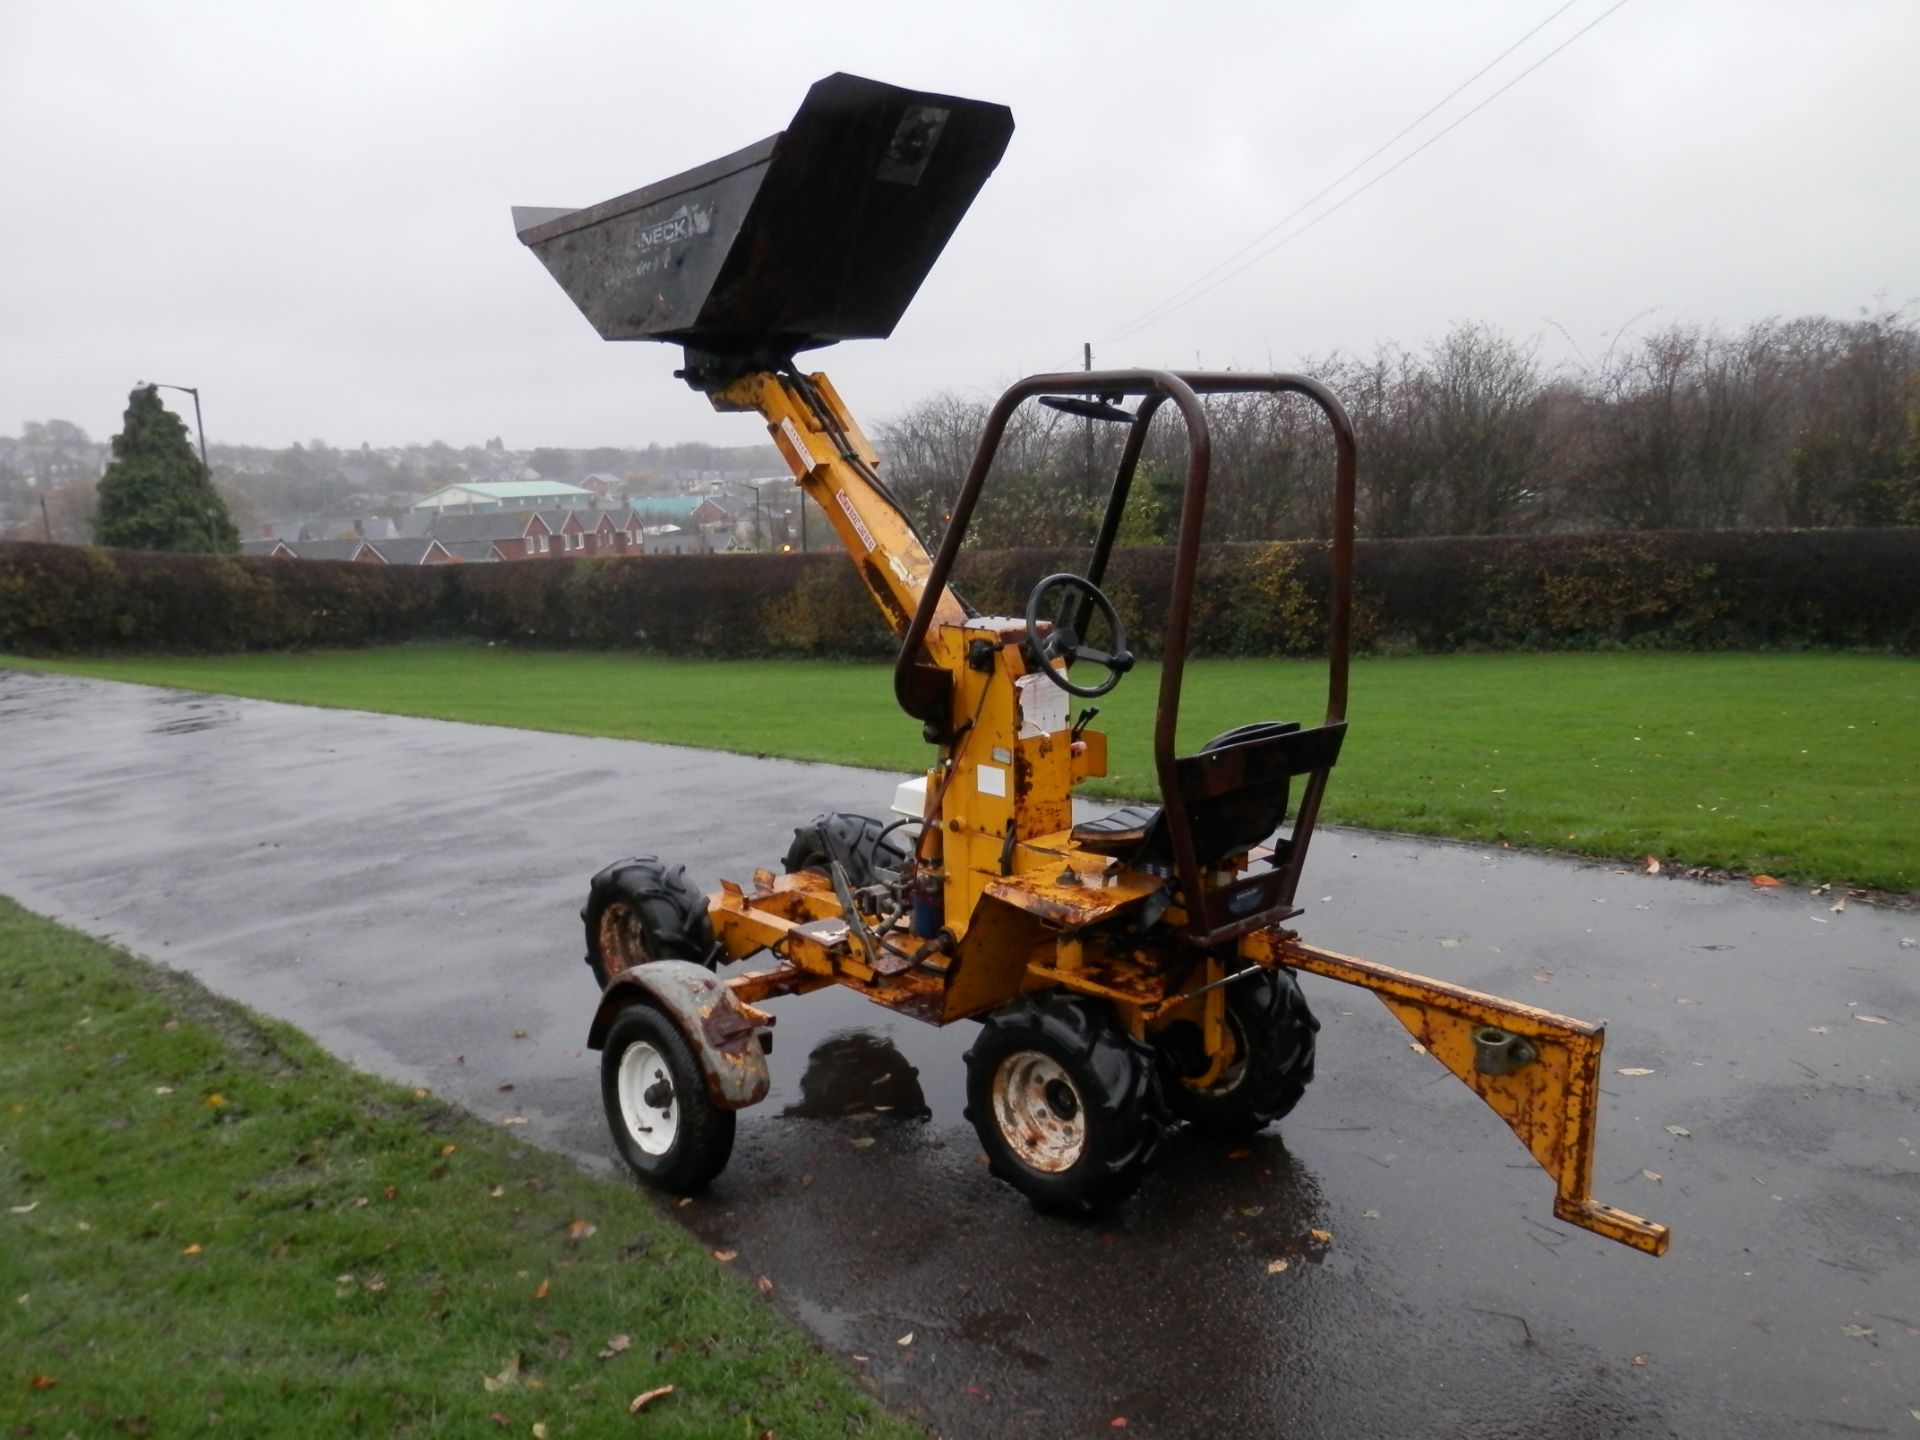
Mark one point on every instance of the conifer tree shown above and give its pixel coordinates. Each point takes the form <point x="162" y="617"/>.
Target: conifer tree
<point x="156" y="495"/>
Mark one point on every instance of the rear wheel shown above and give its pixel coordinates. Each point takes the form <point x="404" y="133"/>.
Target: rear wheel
<point x="1272" y="1032"/>
<point x="664" y="1123"/>
<point x="643" y="909"/>
<point x="1066" y="1104"/>
<point x="861" y="843"/>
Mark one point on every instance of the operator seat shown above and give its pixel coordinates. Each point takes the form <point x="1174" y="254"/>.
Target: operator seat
<point x="1229" y="823"/>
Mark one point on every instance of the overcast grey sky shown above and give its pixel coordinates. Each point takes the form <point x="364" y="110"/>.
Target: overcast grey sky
<point x="302" y="208"/>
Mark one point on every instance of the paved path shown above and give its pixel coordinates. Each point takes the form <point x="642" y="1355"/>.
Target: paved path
<point x="406" y="891"/>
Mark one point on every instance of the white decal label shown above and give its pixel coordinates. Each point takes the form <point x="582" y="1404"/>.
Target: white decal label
<point x="993" y="780"/>
<point x="1043" y="706"/>
<point x="859" y="525"/>
<point x="800" y="450"/>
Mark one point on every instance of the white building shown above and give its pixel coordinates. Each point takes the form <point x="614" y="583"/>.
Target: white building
<point x="479" y="496"/>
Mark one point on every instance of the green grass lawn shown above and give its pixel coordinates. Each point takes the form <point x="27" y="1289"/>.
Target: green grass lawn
<point x="208" y="1226"/>
<point x="1804" y="766"/>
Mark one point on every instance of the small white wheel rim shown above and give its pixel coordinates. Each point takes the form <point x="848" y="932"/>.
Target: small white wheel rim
<point x="1040" y="1112"/>
<point x="648" y="1105"/>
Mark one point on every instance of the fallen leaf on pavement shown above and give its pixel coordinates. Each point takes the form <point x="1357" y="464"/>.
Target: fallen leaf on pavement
<point x="513" y="1119"/>
<point x="1765" y="882"/>
<point x="1869" y="1019"/>
<point x="1838" y="905"/>
<point x="1276" y="1267"/>
<point x="1633" y="1070"/>
<point x="1653" y="1175"/>
<point x="1639" y="1360"/>
<point x="1819" y="1029"/>
<point x="1652" y="864"/>
<point x="1417" y="1048"/>
<point x="1238" y="1154"/>
<point x="521" y="1034"/>
<point x="906" y="1339"/>
<point x="1369" y="1214"/>
<point x="1859" y="1332"/>
<point x="764" y="1285"/>
<point x="1681" y="1131"/>
<point x="1325" y="1237"/>
<point x="1250" y="1211"/>
<point x="647" y="1397"/>
<point x="863" y="1142"/>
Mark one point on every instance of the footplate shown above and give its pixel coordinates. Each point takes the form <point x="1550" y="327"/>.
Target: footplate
<point x="1538" y="1071"/>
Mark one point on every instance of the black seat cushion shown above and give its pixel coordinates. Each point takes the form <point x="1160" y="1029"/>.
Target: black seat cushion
<point x="1121" y="833"/>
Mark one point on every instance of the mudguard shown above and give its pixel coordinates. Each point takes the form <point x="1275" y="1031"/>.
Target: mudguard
<point x="722" y="1030"/>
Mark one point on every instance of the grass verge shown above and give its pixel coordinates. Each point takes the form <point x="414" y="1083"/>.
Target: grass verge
<point x="1804" y="766"/>
<point x="207" y="1225"/>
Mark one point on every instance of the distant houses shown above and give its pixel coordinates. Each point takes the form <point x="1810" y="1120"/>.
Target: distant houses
<point x="509" y="526"/>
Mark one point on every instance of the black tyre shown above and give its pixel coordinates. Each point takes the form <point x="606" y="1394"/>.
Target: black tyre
<point x="1066" y="1104"/>
<point x="1272" y="1064"/>
<point x="859" y="842"/>
<point x="643" y="909"/>
<point x="664" y="1124"/>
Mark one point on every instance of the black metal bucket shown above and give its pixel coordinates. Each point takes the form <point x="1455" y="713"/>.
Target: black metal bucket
<point x="821" y="233"/>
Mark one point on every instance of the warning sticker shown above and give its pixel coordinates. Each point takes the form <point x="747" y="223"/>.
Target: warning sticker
<point x="859" y="525"/>
<point x="800" y="450"/>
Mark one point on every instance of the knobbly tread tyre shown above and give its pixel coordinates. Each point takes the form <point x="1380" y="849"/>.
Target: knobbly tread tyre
<point x="669" y="910"/>
<point x="856" y="838"/>
<point x="1273" y="1015"/>
<point x="1117" y="1081"/>
<point x="704" y="1140"/>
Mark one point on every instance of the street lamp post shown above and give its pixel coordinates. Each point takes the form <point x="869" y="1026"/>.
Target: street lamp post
<point x="198" y="428"/>
<point x="206" y="470"/>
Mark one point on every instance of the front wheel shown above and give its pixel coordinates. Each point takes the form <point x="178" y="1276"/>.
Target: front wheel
<point x="664" y="1123"/>
<point x="1066" y="1104"/>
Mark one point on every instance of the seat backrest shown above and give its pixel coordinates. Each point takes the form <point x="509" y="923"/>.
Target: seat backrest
<point x="1235" y="789"/>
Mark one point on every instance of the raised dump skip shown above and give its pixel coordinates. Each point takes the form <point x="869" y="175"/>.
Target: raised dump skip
<point x="821" y="233"/>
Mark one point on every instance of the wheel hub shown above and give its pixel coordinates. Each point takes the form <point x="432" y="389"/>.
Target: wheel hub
<point x="621" y="944"/>
<point x="647" y="1100"/>
<point x="1039" y="1112"/>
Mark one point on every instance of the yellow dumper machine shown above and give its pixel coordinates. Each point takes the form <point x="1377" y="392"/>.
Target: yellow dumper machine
<point x="1127" y="973"/>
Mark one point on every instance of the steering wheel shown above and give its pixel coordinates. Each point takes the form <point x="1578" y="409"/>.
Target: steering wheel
<point x="1063" y="641"/>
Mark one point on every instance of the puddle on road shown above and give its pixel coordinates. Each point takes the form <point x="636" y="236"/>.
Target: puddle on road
<point x="859" y="1072"/>
<point x="837" y="1054"/>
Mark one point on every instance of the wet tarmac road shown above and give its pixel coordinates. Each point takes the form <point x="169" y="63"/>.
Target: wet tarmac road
<point x="406" y="891"/>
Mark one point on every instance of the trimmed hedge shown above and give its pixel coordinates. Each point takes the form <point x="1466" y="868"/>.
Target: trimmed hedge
<point x="1722" y="589"/>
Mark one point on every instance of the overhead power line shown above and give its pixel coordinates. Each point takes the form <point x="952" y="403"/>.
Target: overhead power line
<point x="1199" y="286"/>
